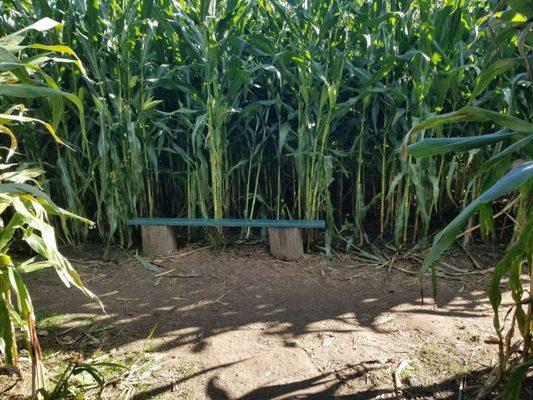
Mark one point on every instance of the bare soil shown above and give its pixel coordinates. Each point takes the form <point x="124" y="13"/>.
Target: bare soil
<point x="238" y="324"/>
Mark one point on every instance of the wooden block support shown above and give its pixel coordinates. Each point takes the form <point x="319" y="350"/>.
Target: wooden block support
<point x="286" y="243"/>
<point x="158" y="240"/>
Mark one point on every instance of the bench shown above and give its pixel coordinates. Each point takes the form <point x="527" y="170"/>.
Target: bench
<point x="285" y="239"/>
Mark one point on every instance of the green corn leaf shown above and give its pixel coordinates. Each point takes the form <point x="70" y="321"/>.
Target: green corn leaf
<point x="470" y="114"/>
<point x="511" y="181"/>
<point x="5" y="118"/>
<point x="20" y="189"/>
<point x="17" y="37"/>
<point x="28" y="267"/>
<point x="490" y="73"/>
<point x="7" y="328"/>
<point x="147" y="264"/>
<point x="29" y="91"/>
<point x="434" y="146"/>
<point x="514" y="384"/>
<point x="513" y="148"/>
<point x="522" y="245"/>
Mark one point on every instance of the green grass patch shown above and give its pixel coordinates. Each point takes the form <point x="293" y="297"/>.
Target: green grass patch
<point x="49" y="320"/>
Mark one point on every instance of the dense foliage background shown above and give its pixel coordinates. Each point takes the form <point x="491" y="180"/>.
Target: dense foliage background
<point x="386" y="118"/>
<point x="289" y="109"/>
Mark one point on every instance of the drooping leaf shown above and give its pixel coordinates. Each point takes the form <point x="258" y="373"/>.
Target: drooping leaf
<point x="434" y="146"/>
<point x="511" y="181"/>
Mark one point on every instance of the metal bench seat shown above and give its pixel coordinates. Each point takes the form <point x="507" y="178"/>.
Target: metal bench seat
<point x="285" y="239"/>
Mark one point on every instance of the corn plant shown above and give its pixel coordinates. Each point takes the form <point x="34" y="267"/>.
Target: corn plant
<point x="507" y="173"/>
<point x="24" y="207"/>
<point x="282" y="109"/>
<point x="260" y="109"/>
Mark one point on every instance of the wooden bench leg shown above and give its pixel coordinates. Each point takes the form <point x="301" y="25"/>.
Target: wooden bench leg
<point x="158" y="240"/>
<point x="286" y="243"/>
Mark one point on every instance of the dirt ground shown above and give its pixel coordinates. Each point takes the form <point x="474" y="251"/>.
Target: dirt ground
<point x="238" y="324"/>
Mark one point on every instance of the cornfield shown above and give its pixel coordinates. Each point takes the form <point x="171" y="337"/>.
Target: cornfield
<point x="273" y="109"/>
<point x="25" y="209"/>
<point x="385" y="118"/>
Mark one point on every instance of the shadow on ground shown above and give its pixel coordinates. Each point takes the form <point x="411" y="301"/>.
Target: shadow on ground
<point x="211" y="293"/>
<point x="226" y="292"/>
<point x="445" y="390"/>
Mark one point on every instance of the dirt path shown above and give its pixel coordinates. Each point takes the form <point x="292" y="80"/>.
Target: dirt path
<point x="236" y="324"/>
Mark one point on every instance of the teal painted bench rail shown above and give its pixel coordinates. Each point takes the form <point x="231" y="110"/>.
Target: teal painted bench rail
<point x="285" y="238"/>
<point x="245" y="223"/>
